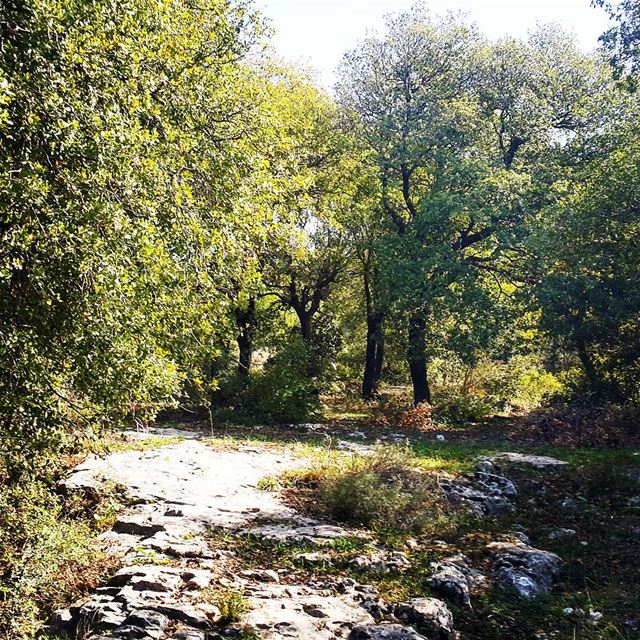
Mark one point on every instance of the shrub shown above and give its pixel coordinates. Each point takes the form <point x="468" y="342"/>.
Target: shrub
<point x="46" y="559"/>
<point x="231" y="603"/>
<point x="283" y="392"/>
<point x="384" y="491"/>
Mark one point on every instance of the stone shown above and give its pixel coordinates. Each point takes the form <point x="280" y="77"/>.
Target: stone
<point x="152" y="622"/>
<point x="137" y="525"/>
<point x="383" y="562"/>
<point x="539" y="462"/>
<point x="297" y="611"/>
<point x="184" y="612"/>
<point x="495" y="485"/>
<point x="485" y="466"/>
<point x="562" y="534"/>
<point x="314" y="557"/>
<point x="191" y="634"/>
<point x="429" y="615"/>
<point x="384" y="632"/>
<point x="527" y="571"/>
<point x="454" y="579"/>
<point x="480" y="501"/>
<point x="262" y="575"/>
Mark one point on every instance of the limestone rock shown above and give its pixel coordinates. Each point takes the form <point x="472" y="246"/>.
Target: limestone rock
<point x="383" y="562"/>
<point x="429" y="615"/>
<point x="540" y="462"/>
<point x="454" y="579"/>
<point x="384" y="632"/>
<point x="528" y="571"/>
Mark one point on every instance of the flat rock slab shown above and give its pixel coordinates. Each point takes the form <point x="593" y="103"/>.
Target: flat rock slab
<point x="180" y="491"/>
<point x="540" y="462"/>
<point x="295" y="611"/>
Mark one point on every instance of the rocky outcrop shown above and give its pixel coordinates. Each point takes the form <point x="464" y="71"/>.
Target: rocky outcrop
<point x="523" y="569"/>
<point x="384" y="632"/>
<point x="540" y="462"/>
<point x="428" y="615"/>
<point x="485" y="492"/>
<point x="455" y="580"/>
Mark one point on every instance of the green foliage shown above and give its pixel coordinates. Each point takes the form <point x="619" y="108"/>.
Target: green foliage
<point x="622" y="40"/>
<point x="385" y="491"/>
<point x="111" y="234"/>
<point x="283" y="392"/>
<point x="478" y="391"/>
<point x="589" y="294"/>
<point x="231" y="603"/>
<point x="46" y="559"/>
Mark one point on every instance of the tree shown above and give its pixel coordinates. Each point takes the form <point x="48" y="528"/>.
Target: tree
<point x="453" y="125"/>
<point x="588" y="270"/>
<point x="623" y="39"/>
<point x="112" y="233"/>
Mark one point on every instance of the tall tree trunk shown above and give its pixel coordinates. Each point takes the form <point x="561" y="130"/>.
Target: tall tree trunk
<point x="417" y="359"/>
<point x="247" y="322"/>
<point x="379" y="363"/>
<point x="589" y="367"/>
<point x="374" y="352"/>
<point x="305" y="318"/>
<point x="374" y="355"/>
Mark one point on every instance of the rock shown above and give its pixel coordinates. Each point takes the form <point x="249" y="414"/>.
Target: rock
<point x="314" y="557"/>
<point x="190" y="634"/>
<point x="355" y="447"/>
<point x="481" y="501"/>
<point x="384" y="632"/>
<point x="429" y="615"/>
<point x="540" y="462"/>
<point x="296" y="611"/>
<point x="440" y="438"/>
<point x="485" y="466"/>
<point x="528" y="571"/>
<point x="521" y="537"/>
<point x="562" y="534"/>
<point x="383" y="562"/>
<point x="184" y="612"/>
<point x="454" y="580"/>
<point x="137" y="525"/>
<point x="262" y="575"/>
<point x="151" y="622"/>
<point x="495" y="485"/>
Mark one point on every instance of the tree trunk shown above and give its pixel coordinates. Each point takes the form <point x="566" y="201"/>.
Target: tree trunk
<point x="374" y="355"/>
<point x="589" y="367"/>
<point x="305" y="325"/>
<point x="377" y="376"/>
<point x="417" y="360"/>
<point x="247" y="322"/>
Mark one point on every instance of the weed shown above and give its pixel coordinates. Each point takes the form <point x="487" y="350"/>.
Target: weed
<point x="231" y="603"/>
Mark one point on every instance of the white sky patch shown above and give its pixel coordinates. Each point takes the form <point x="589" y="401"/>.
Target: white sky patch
<point x="316" y="33"/>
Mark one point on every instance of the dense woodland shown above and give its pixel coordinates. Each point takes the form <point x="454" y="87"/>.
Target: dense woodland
<point x="189" y="224"/>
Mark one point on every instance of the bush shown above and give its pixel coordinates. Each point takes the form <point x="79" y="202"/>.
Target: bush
<point x="283" y="391"/>
<point x="46" y="559"/>
<point x="384" y="491"/>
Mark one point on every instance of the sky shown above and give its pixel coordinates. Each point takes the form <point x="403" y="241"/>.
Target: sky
<point x="316" y="33"/>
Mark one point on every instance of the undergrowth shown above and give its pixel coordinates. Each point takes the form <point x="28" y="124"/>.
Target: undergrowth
<point x="48" y="552"/>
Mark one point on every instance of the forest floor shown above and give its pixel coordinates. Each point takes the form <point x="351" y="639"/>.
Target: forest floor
<point x="213" y="539"/>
